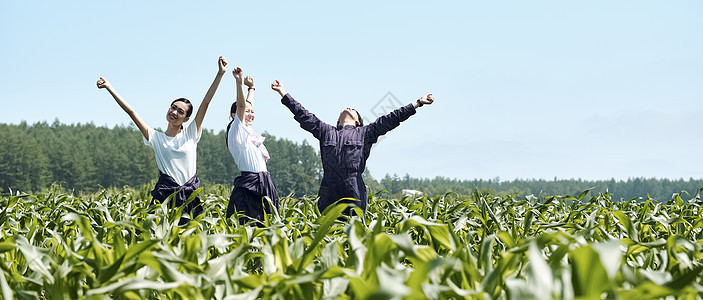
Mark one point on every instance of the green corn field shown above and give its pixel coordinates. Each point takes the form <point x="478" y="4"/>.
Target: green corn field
<point x="111" y="245"/>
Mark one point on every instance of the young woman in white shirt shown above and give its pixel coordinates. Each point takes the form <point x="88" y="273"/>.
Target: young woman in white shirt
<point x="175" y="148"/>
<point x="250" y="155"/>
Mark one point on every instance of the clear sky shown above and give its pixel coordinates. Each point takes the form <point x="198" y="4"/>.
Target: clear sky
<point x="524" y="89"/>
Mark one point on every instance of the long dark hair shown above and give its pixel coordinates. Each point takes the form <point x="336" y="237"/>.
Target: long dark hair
<point x="186" y="101"/>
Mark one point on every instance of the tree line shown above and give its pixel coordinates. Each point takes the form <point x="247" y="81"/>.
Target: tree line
<point x="643" y="188"/>
<point x="85" y="157"/>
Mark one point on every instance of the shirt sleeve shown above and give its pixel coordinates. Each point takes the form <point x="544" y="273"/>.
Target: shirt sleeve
<point x="192" y="132"/>
<point x="307" y="120"/>
<point x="388" y="122"/>
<point x="149" y="142"/>
<point x="237" y="133"/>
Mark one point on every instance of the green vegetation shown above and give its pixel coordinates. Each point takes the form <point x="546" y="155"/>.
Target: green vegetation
<point x="86" y="158"/>
<point x="643" y="188"/>
<point x="110" y="245"/>
<point x="70" y="238"/>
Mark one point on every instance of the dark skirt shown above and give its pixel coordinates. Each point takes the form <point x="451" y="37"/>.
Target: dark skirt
<point x="247" y="196"/>
<point x="166" y="186"/>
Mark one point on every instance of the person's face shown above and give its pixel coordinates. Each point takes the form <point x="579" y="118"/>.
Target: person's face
<point x="177" y="113"/>
<point x="349" y="115"/>
<point x="249" y="114"/>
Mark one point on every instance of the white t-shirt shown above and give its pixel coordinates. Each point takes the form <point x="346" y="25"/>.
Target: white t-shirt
<point x="246" y="153"/>
<point x="176" y="156"/>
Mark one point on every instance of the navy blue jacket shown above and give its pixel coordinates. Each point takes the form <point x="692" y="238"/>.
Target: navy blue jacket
<point x="344" y="151"/>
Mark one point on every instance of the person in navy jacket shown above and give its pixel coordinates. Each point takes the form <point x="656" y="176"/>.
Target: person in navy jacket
<point x="345" y="148"/>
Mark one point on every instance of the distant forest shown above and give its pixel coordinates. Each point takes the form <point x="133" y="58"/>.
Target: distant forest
<point x="85" y="157"/>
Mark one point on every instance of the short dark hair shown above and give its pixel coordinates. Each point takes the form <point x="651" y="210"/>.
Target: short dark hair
<point x="186" y="101"/>
<point x="361" y="121"/>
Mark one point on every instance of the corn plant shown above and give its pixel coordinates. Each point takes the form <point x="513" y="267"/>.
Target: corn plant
<point x="112" y="245"/>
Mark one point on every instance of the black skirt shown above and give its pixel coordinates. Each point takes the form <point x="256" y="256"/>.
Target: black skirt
<point x="247" y="196"/>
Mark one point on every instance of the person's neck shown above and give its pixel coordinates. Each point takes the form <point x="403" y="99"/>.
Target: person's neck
<point x="173" y="129"/>
<point x="348" y="121"/>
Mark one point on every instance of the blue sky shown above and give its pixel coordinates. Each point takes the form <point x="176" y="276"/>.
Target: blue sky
<point x="524" y="89"/>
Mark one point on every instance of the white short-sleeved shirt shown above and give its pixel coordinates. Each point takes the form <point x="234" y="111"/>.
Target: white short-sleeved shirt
<point x="176" y="156"/>
<point x="246" y="154"/>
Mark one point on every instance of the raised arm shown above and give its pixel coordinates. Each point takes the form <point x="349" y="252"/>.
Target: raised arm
<point x="241" y="105"/>
<point x="388" y="122"/>
<point x="307" y="120"/>
<point x="222" y="65"/>
<point x="104" y="84"/>
<point x="249" y="82"/>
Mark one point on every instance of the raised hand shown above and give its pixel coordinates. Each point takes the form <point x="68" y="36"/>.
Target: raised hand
<point x="249" y="81"/>
<point x="103" y="84"/>
<point x="278" y="87"/>
<point x="237" y="72"/>
<point x="427" y="99"/>
<point x="222" y="63"/>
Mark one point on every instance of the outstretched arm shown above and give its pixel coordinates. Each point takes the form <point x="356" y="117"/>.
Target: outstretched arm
<point x="104" y="84"/>
<point x="388" y="122"/>
<point x="222" y="64"/>
<point x="307" y="120"/>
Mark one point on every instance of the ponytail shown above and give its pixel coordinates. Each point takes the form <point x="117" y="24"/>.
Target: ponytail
<point x="227" y="133"/>
<point x="232" y="110"/>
